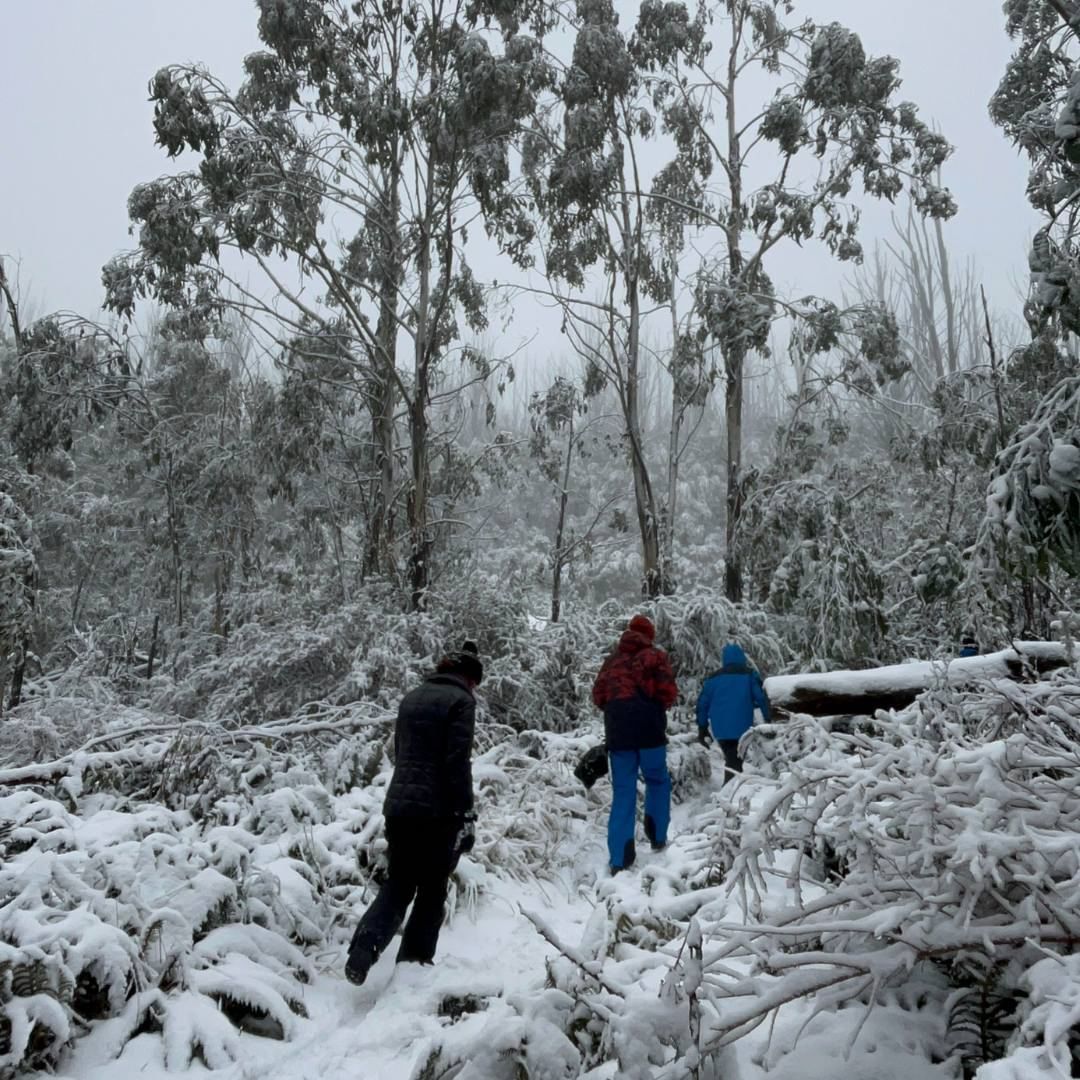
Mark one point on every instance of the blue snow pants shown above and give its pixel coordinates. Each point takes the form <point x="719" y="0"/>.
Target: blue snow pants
<point x="625" y="765"/>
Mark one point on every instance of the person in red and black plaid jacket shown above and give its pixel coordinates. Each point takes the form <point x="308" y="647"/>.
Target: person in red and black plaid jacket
<point x="635" y="688"/>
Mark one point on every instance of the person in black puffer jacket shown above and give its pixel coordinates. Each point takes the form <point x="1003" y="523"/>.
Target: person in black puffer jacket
<point x="429" y="814"/>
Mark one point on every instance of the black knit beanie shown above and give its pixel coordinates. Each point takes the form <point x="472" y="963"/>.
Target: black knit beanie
<point x="465" y="661"/>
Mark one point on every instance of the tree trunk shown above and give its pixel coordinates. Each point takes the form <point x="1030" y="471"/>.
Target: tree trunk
<point x="733" y="395"/>
<point x="217" y="623"/>
<point x="152" y="655"/>
<point x="668" y="514"/>
<point x="338" y="536"/>
<point x="174" y="544"/>
<point x="22" y="649"/>
<point x="12" y="307"/>
<point x="952" y="337"/>
<point x="995" y="373"/>
<point x="678" y="415"/>
<point x="644" y="499"/>
<point x="424" y="343"/>
<point x="556" y="578"/>
<point x="377" y="556"/>
<point x="18" y="673"/>
<point x="560" y="527"/>
<point x="862" y="693"/>
<point x="377" y="553"/>
<point x="734" y="356"/>
<point x="417" y="503"/>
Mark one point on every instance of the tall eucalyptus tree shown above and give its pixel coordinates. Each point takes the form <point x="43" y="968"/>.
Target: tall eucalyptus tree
<point x="346" y="170"/>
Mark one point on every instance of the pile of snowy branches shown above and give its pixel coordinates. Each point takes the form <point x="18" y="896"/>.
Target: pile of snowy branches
<point x="175" y="881"/>
<point x="911" y="883"/>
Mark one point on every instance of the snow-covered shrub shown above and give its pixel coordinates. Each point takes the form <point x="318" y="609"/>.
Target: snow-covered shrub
<point x="945" y="842"/>
<point x="522" y="1039"/>
<point x="127" y="918"/>
<point x="545" y="678"/>
<point x="175" y="886"/>
<point x="298" y="655"/>
<point x="1046" y="1042"/>
<point x="629" y="994"/>
<point x="918" y="869"/>
<point x="808" y="554"/>
<point x="185" y="870"/>
<point x="696" y="625"/>
<point x="62" y="713"/>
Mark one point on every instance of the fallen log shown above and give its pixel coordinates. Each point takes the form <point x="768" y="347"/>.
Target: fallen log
<point x="862" y="693"/>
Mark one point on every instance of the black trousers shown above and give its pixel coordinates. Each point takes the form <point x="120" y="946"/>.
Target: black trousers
<point x="421" y="862"/>
<point x="732" y="760"/>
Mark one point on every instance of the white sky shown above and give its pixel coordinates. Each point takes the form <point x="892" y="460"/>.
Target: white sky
<point x="77" y="136"/>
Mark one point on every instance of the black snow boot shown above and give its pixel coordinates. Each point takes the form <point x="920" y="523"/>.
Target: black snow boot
<point x="650" y="832"/>
<point x="358" y="965"/>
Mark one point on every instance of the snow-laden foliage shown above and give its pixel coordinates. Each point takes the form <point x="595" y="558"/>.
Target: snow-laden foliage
<point x="817" y="572"/>
<point x="914" y="874"/>
<point x="904" y="881"/>
<point x="1033" y="504"/>
<point x="290" y="660"/>
<point x="17" y="571"/>
<point x="128" y="917"/>
<point x="1037" y="104"/>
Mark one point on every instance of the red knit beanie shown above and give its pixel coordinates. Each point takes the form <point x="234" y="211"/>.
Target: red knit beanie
<point x="642" y="625"/>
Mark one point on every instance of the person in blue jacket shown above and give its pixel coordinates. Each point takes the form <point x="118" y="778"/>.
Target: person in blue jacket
<point x="725" y="707"/>
<point x="968" y="647"/>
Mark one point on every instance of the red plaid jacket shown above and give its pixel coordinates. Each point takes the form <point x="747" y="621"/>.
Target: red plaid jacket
<point x="635" y="667"/>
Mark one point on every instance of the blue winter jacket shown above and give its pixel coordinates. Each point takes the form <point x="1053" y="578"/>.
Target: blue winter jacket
<point x="727" y="700"/>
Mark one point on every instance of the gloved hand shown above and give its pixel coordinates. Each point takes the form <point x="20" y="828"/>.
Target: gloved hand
<point x="704" y="736"/>
<point x="464" y="838"/>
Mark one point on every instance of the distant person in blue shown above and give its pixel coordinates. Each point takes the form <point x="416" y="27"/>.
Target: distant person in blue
<point x="968" y="647"/>
<point x="725" y="707"/>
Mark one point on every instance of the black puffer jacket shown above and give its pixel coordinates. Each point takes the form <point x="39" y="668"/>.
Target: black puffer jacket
<point x="433" y="750"/>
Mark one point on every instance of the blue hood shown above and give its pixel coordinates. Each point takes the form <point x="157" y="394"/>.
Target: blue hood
<point x="734" y="658"/>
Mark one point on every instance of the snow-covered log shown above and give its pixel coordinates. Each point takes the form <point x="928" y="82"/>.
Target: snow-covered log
<point x="862" y="693"/>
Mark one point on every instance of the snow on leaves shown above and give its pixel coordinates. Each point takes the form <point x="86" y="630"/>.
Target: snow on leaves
<point x="1033" y="502"/>
<point x="124" y="914"/>
<point x="919" y="864"/>
<point x="1036" y="105"/>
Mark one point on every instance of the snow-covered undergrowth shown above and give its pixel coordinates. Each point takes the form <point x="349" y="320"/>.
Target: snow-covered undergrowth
<point x="910" y="884"/>
<point x="896" y="898"/>
<point x="187" y="882"/>
<point x="195" y="910"/>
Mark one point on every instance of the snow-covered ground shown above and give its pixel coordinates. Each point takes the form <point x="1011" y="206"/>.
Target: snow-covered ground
<point x="492" y="959"/>
<point x="389" y="1026"/>
<point x="856" y="905"/>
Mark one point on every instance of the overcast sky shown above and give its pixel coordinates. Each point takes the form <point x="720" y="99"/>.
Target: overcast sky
<point x="76" y="129"/>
